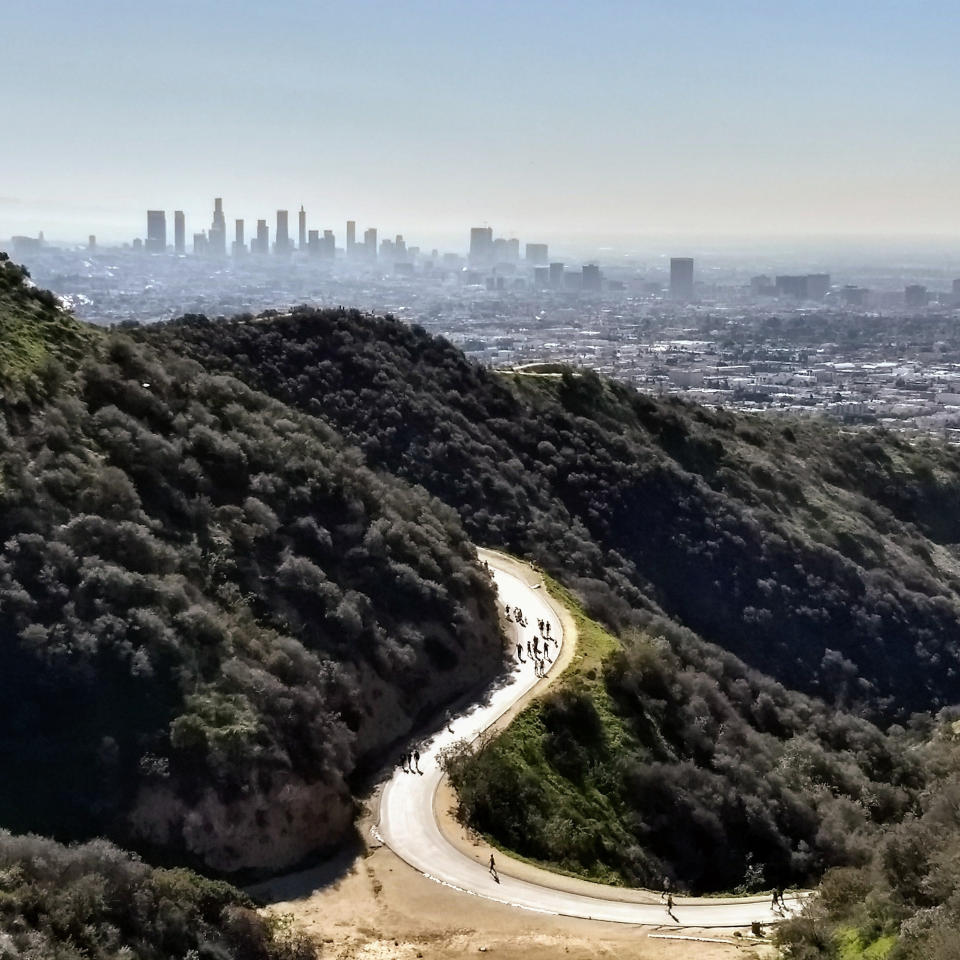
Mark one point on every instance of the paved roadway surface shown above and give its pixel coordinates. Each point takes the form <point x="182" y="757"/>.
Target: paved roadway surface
<point x="409" y="827"/>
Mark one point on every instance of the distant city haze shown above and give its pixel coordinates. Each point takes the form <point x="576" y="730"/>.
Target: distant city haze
<point x="578" y="123"/>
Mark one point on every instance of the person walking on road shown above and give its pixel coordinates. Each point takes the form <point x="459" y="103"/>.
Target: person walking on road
<point x="416" y="758"/>
<point x="493" y="869"/>
<point x="665" y="890"/>
<point x="670" y="913"/>
<point x="520" y="653"/>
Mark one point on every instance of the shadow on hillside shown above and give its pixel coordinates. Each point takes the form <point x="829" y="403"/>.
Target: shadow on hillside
<point x="302" y="883"/>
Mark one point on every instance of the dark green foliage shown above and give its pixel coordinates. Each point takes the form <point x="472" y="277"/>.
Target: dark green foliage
<point x="95" y="902"/>
<point x="677" y="749"/>
<point x="201" y="588"/>
<point x="826" y="560"/>
<point x="909" y="890"/>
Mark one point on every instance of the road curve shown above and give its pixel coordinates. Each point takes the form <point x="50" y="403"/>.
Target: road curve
<point x="408" y="824"/>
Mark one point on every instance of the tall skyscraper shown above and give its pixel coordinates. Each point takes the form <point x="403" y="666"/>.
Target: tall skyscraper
<point x="481" y="245"/>
<point x="536" y="253"/>
<point x="179" y="232"/>
<point x="513" y="250"/>
<point x="556" y="274"/>
<point x="915" y="296"/>
<point x="156" y="231"/>
<point x="239" y="244"/>
<point x="681" y="278"/>
<point x="217" y="237"/>
<point x="351" y="237"/>
<point x="590" y="277"/>
<point x="370" y="243"/>
<point x="328" y="245"/>
<point x="818" y="285"/>
<point x="303" y="229"/>
<point x="263" y="237"/>
<point x="282" y="242"/>
<point x="92" y="243"/>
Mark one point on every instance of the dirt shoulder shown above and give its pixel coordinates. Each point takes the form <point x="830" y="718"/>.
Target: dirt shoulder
<point x="379" y="908"/>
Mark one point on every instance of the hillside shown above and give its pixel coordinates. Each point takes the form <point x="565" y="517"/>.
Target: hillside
<point x="827" y="560"/>
<point x="654" y="747"/>
<point x="237" y="569"/>
<point x="214" y="617"/>
<point x="39" y="343"/>
<point x="95" y="901"/>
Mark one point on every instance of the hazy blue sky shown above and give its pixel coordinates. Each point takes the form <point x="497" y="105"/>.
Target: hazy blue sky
<point x="540" y="118"/>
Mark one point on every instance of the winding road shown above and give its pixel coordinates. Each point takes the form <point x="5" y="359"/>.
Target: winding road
<point x="408" y="821"/>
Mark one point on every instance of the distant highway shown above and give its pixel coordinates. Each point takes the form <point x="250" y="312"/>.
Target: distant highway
<point x="408" y="822"/>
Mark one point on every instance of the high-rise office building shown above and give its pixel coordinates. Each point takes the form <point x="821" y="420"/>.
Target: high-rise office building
<point x="351" y="237"/>
<point x="302" y="237"/>
<point x="200" y="243"/>
<point x="282" y="242"/>
<point x="681" y="278"/>
<point x="217" y="237"/>
<point x="513" y="250"/>
<point x="263" y="237"/>
<point x="328" y="245"/>
<point x="239" y="244"/>
<point x="536" y="253"/>
<point x="915" y="296"/>
<point x="370" y="243"/>
<point x="788" y="285"/>
<point x="556" y="274"/>
<point x="92" y="242"/>
<point x="179" y="232"/>
<point x="590" y="278"/>
<point x="156" y="231"/>
<point x="541" y="277"/>
<point x="818" y="285"/>
<point x="481" y="245"/>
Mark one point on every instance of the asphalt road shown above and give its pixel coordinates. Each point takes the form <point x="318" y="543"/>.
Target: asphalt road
<point x="409" y="827"/>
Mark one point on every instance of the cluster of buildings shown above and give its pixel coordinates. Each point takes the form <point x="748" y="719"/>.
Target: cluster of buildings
<point x="664" y="324"/>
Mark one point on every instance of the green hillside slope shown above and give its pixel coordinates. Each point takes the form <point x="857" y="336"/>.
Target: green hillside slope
<point x="828" y="561"/>
<point x="213" y="616"/>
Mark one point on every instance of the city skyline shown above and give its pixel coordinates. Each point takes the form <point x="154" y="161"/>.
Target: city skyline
<point x="608" y="119"/>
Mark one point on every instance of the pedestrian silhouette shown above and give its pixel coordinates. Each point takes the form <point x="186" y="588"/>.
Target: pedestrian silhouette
<point x="493" y="869"/>
<point x="416" y="758"/>
<point x="670" y="913"/>
<point x="520" y="653"/>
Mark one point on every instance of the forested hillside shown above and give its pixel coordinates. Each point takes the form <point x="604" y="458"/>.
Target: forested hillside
<point x="825" y="559"/>
<point x="237" y="566"/>
<point x="95" y="902"/>
<point x="213" y="615"/>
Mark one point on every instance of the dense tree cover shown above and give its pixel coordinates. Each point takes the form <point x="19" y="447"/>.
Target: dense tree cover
<point x="202" y="590"/>
<point x="664" y="756"/>
<point x="95" y="902"/>
<point x="825" y="559"/>
<point x="906" y="898"/>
